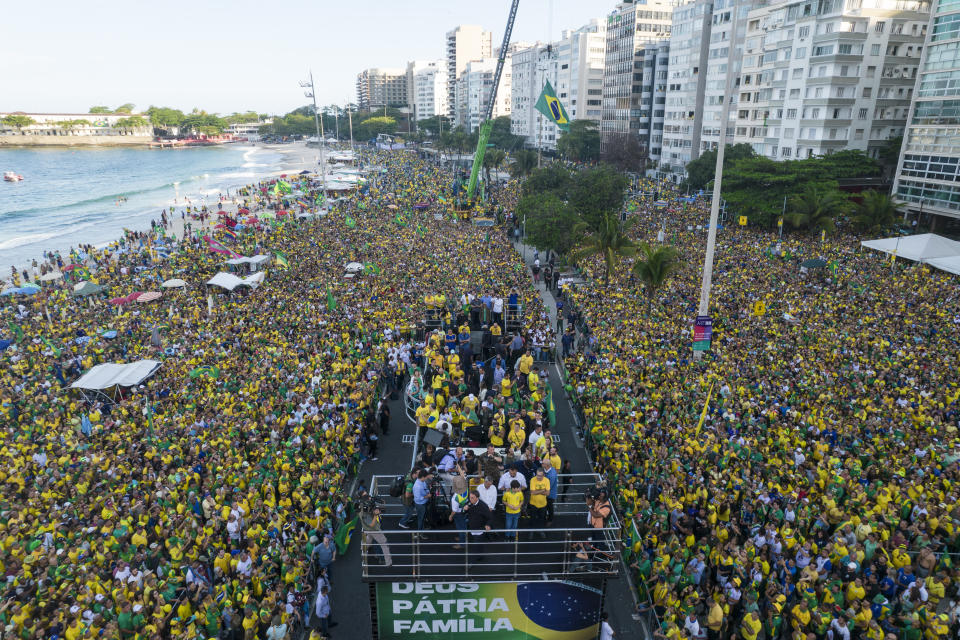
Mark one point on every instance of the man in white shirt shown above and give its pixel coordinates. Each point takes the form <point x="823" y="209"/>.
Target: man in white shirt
<point x="509" y="476"/>
<point x="488" y="493"/>
<point x="606" y="631"/>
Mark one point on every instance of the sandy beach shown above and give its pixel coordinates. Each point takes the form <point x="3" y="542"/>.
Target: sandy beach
<point x="297" y="157"/>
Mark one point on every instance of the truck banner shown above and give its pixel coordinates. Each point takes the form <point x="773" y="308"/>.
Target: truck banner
<point x="545" y="610"/>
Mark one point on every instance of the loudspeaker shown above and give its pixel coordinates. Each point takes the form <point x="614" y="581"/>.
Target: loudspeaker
<point x="432" y="436"/>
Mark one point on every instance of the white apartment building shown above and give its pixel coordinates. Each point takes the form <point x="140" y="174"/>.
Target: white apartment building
<point x="630" y="26"/>
<point x="427" y="88"/>
<point x="574" y="67"/>
<point x="464" y="43"/>
<point x="473" y="90"/>
<point x="928" y="175"/>
<point x="653" y="59"/>
<point x="821" y="76"/>
<point x="580" y="60"/>
<point x="725" y="48"/>
<point x="686" y="82"/>
<point x="532" y="68"/>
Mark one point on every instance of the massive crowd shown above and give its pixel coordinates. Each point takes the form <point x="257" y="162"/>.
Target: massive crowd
<point x="191" y="508"/>
<point x="819" y="497"/>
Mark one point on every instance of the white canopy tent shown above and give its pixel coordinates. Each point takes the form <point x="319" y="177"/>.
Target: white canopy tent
<point x="950" y="264"/>
<point x="919" y="248"/>
<point x="174" y="283"/>
<point x="253" y="262"/>
<point x="103" y="382"/>
<point x="230" y="282"/>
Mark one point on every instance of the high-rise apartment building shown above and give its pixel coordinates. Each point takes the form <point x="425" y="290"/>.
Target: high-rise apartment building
<point x="377" y="88"/>
<point x="928" y="174"/>
<point x="819" y="76"/>
<point x="465" y="43"/>
<point x="532" y="68"/>
<point x="580" y="60"/>
<point x="574" y="67"/>
<point x="652" y="60"/>
<point x="427" y="88"/>
<point x="473" y="89"/>
<point x="630" y="26"/>
<point x="686" y="84"/>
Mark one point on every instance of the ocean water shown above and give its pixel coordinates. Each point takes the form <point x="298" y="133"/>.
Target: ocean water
<point x="69" y="196"/>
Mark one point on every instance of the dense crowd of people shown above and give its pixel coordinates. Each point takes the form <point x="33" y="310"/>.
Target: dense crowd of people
<point x="800" y="480"/>
<point x="191" y="508"/>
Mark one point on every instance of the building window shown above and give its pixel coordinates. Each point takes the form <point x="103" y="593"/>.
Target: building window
<point x="874" y="49"/>
<point x="858" y="134"/>
<point x="879" y="26"/>
<point x="862" y="114"/>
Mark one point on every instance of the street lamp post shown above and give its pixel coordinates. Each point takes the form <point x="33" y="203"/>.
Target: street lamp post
<point x="704" y="307"/>
<point x="312" y="93"/>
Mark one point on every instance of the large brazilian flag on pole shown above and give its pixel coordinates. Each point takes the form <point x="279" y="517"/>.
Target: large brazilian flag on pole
<point x="550" y="106"/>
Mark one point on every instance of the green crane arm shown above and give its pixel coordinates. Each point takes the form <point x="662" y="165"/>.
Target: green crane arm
<point x="484" y="134"/>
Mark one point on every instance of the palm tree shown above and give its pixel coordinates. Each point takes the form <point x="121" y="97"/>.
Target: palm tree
<point x="816" y="209"/>
<point x="655" y="268"/>
<point x="524" y="162"/>
<point x="876" y="211"/>
<point x="608" y="240"/>
<point x="492" y="160"/>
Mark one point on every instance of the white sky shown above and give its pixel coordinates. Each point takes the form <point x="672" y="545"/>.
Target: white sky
<point x="65" y="56"/>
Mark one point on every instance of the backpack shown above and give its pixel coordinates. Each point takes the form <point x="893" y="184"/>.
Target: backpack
<point x="396" y="489"/>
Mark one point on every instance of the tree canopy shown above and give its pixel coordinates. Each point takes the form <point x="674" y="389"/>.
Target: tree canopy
<point x="581" y="143"/>
<point x="163" y="117"/>
<point x="756" y="186"/>
<point x="133" y="122"/>
<point x="100" y="109"/>
<point x="18" y="122"/>
<point x="597" y="192"/>
<point x="623" y="151"/>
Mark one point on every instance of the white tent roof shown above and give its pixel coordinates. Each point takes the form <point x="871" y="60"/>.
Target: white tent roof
<point x="230" y="282"/>
<point x="173" y="283"/>
<point x="257" y="259"/>
<point x="105" y="376"/>
<point x="950" y="264"/>
<point x="920" y="248"/>
<point x="353" y="267"/>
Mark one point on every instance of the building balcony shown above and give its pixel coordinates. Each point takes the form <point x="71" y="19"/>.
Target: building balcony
<point x="837" y="80"/>
<point x="836" y="35"/>
<point x="829" y="102"/>
<point x="838" y="57"/>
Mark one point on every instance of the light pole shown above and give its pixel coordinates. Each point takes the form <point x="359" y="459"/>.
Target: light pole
<point x="704" y="307"/>
<point x="316" y="117"/>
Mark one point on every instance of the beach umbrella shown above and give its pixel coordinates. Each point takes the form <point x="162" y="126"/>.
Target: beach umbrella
<point x="53" y="275"/>
<point x="87" y="288"/>
<point x="814" y="263"/>
<point x="243" y="210"/>
<point x="305" y="172"/>
<point x="391" y="206"/>
<point x="10" y="291"/>
<point x="174" y="283"/>
<point x="117" y="301"/>
<point x="71" y="267"/>
<point x="109" y="335"/>
<point x="149" y="296"/>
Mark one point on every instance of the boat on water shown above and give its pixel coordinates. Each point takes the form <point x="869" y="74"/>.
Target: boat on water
<point x="10" y="176"/>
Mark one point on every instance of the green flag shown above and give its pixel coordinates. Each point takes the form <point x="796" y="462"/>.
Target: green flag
<point x="550" y="106"/>
<point x="351" y="223"/>
<point x="17" y="331"/>
<point x="56" y="350"/>
<point x="282" y="260"/>
<point x="551" y="410"/>
<point x="331" y="302"/>
<point x="371" y="268"/>
<point x="401" y="220"/>
<point x="344" y="533"/>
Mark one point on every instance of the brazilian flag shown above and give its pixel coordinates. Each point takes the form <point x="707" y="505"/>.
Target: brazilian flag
<point x="344" y="533"/>
<point x="550" y="106"/>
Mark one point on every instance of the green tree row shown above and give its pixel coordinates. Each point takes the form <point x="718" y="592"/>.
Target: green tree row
<point x="806" y="192"/>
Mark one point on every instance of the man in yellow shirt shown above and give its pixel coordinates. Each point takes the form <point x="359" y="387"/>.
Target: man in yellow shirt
<point x="512" y="504"/>
<point x="750" y="626"/>
<point x="539" y="490"/>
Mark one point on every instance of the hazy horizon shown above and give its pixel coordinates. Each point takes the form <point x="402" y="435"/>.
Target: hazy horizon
<point x="61" y="57"/>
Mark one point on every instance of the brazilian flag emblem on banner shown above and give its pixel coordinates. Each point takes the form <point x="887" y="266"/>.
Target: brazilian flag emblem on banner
<point x="550" y="106"/>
